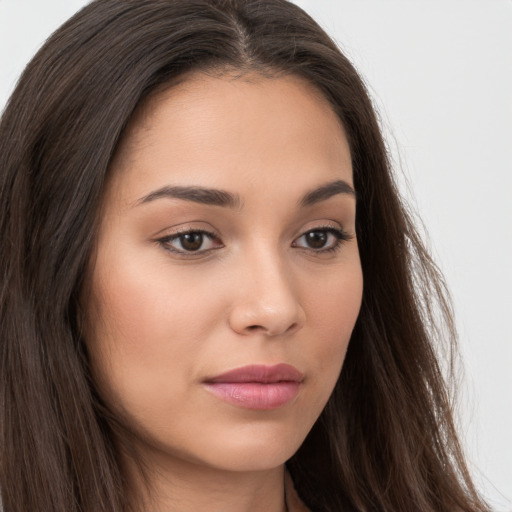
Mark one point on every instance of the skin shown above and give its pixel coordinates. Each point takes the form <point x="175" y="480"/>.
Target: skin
<point x="162" y="319"/>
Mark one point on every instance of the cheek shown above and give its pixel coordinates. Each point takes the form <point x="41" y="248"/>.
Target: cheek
<point x="145" y="333"/>
<point x="334" y="308"/>
<point x="143" y="304"/>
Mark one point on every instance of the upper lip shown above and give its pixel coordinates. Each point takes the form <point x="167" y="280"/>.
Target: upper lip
<point x="259" y="373"/>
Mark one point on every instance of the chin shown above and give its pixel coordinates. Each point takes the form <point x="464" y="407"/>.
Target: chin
<point x="242" y="449"/>
<point x="255" y="447"/>
<point x="253" y="456"/>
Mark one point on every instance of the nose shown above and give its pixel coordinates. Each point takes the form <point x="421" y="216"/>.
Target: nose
<point x="267" y="299"/>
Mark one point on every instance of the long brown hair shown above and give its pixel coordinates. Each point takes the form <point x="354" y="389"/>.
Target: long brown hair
<point x="386" y="440"/>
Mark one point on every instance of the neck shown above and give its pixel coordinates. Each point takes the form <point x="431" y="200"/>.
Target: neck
<point x="172" y="485"/>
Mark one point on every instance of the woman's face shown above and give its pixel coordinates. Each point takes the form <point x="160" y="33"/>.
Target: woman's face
<point x="227" y="278"/>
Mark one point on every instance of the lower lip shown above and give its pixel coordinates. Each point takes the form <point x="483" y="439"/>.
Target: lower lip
<point x="254" y="395"/>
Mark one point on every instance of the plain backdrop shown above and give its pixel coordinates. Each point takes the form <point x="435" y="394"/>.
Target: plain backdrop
<point x="440" y="73"/>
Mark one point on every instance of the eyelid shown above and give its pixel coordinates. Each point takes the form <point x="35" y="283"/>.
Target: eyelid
<point x="334" y="230"/>
<point x="325" y="225"/>
<point x="165" y="241"/>
<point x="337" y="231"/>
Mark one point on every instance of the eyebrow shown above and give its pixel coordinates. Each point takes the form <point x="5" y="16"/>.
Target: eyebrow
<point x="217" y="197"/>
<point x="327" y="191"/>
<point x="201" y="195"/>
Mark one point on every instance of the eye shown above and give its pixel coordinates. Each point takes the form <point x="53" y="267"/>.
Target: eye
<point x="196" y="241"/>
<point x="321" y="239"/>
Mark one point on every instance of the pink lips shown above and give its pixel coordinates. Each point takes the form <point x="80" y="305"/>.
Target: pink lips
<point x="257" y="387"/>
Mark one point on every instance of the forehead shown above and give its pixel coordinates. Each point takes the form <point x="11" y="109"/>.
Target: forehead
<point x="226" y="129"/>
<point x="231" y="88"/>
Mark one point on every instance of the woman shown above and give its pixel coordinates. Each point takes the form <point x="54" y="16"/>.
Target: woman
<point x="199" y="229"/>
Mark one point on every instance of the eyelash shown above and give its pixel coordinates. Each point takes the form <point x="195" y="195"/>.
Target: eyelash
<point x="166" y="241"/>
<point x="340" y="236"/>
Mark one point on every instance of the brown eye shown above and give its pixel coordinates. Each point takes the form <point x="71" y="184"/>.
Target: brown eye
<point x="191" y="242"/>
<point x="321" y="240"/>
<point x="316" y="239"/>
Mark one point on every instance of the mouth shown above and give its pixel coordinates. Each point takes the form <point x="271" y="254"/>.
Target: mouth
<point x="257" y="387"/>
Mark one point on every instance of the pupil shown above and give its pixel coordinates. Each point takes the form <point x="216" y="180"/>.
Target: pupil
<point x="316" y="239"/>
<point x="192" y="241"/>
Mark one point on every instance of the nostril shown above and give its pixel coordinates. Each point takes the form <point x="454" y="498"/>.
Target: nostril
<point x="268" y="331"/>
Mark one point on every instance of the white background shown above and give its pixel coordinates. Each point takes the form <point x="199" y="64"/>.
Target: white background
<point x="440" y="72"/>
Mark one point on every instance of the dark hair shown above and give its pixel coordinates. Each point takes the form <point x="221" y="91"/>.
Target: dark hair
<point x="386" y="440"/>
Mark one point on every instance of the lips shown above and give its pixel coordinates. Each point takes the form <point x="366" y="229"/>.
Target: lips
<point x="257" y="387"/>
